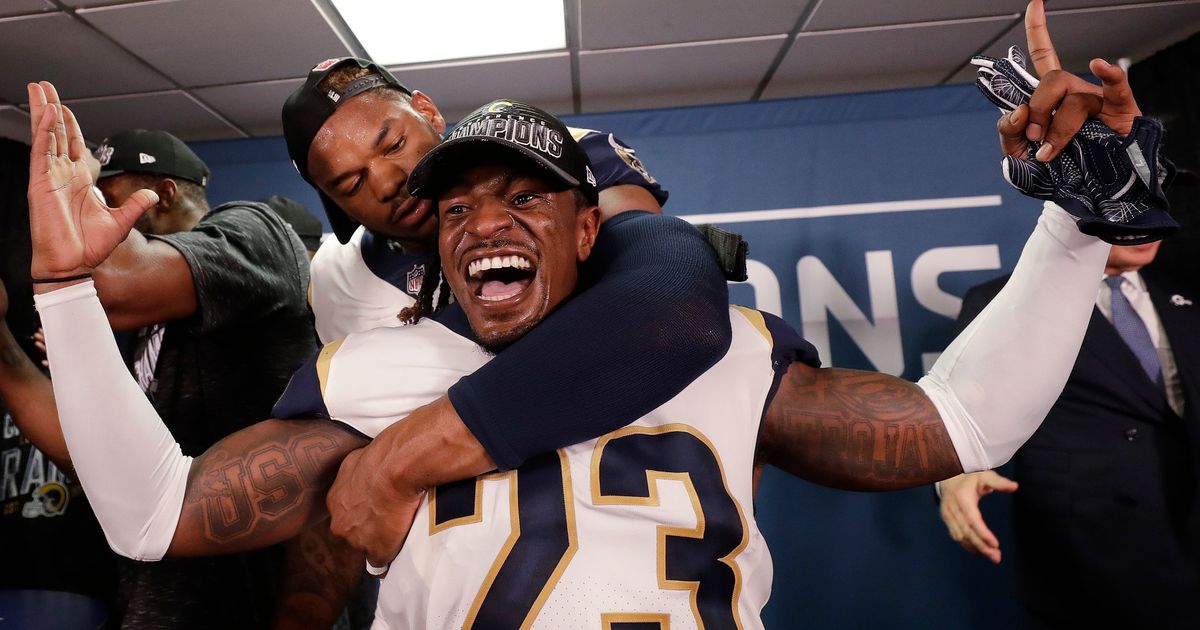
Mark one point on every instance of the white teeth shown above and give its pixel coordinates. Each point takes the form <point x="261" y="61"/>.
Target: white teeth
<point x="477" y="267"/>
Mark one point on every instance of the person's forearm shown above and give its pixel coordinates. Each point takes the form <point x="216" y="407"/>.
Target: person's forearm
<point x="130" y="465"/>
<point x="144" y="282"/>
<point x="29" y="397"/>
<point x="320" y="574"/>
<point x="117" y="278"/>
<point x="997" y="380"/>
<point x="430" y="447"/>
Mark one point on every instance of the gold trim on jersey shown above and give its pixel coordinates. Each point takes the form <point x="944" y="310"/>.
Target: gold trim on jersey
<point x="758" y="321"/>
<point x="572" y="542"/>
<point x="652" y="500"/>
<point x="608" y="619"/>
<point x="323" y="361"/>
<point x="474" y="517"/>
<point x="514" y="515"/>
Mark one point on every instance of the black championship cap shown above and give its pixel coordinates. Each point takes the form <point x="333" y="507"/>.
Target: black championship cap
<point x="513" y="127"/>
<point x="309" y="107"/>
<point x="150" y="151"/>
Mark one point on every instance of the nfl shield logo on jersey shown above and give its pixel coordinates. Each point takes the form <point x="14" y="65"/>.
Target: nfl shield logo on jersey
<point x="416" y="277"/>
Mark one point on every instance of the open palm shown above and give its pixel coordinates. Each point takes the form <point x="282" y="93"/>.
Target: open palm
<point x="72" y="229"/>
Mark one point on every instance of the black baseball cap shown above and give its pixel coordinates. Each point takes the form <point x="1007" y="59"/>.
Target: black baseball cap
<point x="150" y="151"/>
<point x="307" y="109"/>
<point x="307" y="227"/>
<point x="512" y="127"/>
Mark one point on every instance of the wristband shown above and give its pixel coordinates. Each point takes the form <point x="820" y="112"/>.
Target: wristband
<point x="81" y="276"/>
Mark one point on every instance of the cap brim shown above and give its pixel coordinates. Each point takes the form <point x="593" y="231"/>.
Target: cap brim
<point x="437" y="169"/>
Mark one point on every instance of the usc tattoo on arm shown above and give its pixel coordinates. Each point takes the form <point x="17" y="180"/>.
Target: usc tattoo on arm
<point x="259" y="486"/>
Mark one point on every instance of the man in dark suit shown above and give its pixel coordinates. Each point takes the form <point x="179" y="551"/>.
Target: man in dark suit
<point x="1106" y="525"/>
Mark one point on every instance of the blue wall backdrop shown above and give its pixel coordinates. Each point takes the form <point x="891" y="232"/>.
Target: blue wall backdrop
<point x="868" y="216"/>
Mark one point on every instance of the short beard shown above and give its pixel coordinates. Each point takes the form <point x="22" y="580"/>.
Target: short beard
<point x="499" y="343"/>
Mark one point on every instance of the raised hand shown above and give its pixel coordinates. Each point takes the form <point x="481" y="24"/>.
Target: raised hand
<point x="72" y="229"/>
<point x="1051" y="110"/>
<point x="1086" y="147"/>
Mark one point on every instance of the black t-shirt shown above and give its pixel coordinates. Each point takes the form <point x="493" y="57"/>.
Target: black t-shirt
<point x="213" y="374"/>
<point x="49" y="538"/>
<point x="222" y="369"/>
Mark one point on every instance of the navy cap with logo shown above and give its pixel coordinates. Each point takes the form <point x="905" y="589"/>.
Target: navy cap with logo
<point x="307" y="109"/>
<point x="515" y="128"/>
<point x="150" y="151"/>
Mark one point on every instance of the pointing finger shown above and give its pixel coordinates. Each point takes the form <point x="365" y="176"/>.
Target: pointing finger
<point x="1037" y="35"/>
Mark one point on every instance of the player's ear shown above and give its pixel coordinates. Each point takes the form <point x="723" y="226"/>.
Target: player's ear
<point x="425" y="106"/>
<point x="167" y="191"/>
<point x="587" y="225"/>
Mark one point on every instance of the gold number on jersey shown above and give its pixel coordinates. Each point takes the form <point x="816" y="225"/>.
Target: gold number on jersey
<point x="626" y="468"/>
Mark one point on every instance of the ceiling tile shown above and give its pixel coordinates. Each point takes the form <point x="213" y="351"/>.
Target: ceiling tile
<point x="18" y="7"/>
<point x="254" y="107"/>
<point x="626" y="23"/>
<point x="14" y="124"/>
<point x="172" y="111"/>
<point x="839" y="14"/>
<point x="215" y="42"/>
<point x="851" y="61"/>
<point x="1135" y="32"/>
<point x="54" y="46"/>
<point x="675" y="75"/>
<point x="91" y="3"/>
<point x="457" y="88"/>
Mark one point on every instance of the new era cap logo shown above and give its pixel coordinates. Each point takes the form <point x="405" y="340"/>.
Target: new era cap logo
<point x="325" y="65"/>
<point x="145" y="158"/>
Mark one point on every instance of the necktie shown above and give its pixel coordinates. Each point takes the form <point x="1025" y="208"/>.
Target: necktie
<point x="1133" y="330"/>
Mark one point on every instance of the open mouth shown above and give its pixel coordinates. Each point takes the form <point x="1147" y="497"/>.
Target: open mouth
<point x="498" y="278"/>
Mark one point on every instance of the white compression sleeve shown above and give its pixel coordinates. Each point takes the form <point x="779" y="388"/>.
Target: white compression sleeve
<point x="997" y="380"/>
<point x="129" y="464"/>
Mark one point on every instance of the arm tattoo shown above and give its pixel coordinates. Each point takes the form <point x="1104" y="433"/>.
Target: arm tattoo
<point x="320" y="575"/>
<point x="856" y="430"/>
<point x="260" y="485"/>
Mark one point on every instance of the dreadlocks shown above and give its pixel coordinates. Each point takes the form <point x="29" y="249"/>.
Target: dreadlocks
<point x="434" y="294"/>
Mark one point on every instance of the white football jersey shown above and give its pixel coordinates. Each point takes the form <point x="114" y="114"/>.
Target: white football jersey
<point x="652" y="523"/>
<point x="349" y="292"/>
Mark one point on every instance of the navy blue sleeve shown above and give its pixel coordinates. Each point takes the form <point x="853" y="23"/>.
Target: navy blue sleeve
<point x="616" y="163"/>
<point x="653" y="316"/>
<point x="302" y="398"/>
<point x="787" y="347"/>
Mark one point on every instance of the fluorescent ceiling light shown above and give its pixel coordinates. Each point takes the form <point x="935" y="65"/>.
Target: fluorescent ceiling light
<point x="400" y="32"/>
